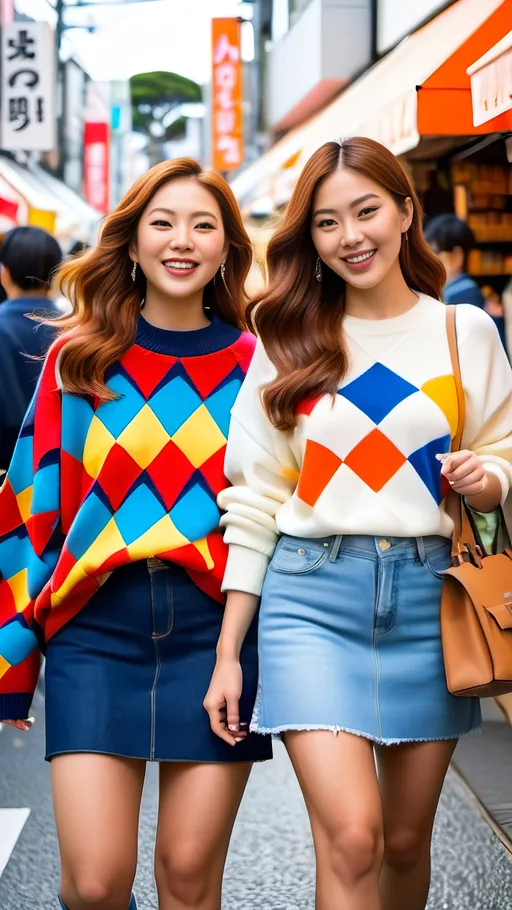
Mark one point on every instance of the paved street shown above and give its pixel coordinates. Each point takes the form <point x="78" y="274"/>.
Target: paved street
<point x="271" y="860"/>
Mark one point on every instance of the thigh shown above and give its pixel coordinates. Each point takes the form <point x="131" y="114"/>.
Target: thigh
<point x="97" y="802"/>
<point x="197" y="809"/>
<point x="411" y="778"/>
<point x="338" y="779"/>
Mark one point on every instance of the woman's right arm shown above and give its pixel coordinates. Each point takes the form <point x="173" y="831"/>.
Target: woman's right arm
<point x="29" y="516"/>
<point x="264" y="473"/>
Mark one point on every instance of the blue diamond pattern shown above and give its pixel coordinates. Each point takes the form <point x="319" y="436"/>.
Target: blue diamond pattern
<point x="377" y="392"/>
<point x="429" y="470"/>
<point x="174" y="404"/>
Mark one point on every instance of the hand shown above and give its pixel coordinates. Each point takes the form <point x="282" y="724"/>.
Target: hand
<point x="221" y="701"/>
<point x="464" y="472"/>
<point x="24" y="725"/>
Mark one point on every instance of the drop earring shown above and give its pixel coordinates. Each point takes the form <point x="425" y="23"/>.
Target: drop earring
<point x="223" y="271"/>
<point x="318" y="269"/>
<point x="134" y="271"/>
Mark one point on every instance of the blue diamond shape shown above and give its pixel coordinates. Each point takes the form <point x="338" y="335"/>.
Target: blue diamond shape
<point x="377" y="392"/>
<point x="174" y="404"/>
<point x="427" y="467"/>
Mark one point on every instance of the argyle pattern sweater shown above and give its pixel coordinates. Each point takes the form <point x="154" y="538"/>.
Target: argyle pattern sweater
<point x="95" y="485"/>
<point x="365" y="463"/>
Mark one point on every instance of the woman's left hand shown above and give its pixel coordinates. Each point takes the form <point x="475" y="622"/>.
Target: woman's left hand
<point x="464" y="472"/>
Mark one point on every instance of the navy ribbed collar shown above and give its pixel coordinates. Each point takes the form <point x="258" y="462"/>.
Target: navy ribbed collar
<point x="212" y="338"/>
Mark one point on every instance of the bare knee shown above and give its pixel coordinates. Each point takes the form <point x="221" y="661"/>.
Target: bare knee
<point x="102" y="892"/>
<point x="181" y="873"/>
<point x="405" y="848"/>
<point x="356" y="852"/>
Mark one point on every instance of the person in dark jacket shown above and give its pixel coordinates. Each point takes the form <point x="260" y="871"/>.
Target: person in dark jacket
<point x="452" y="240"/>
<point x="28" y="258"/>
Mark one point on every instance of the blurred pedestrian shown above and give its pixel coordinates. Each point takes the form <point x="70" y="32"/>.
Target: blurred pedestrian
<point x="122" y="453"/>
<point x="29" y="257"/>
<point x="339" y="457"/>
<point x="452" y="240"/>
<point x="78" y="247"/>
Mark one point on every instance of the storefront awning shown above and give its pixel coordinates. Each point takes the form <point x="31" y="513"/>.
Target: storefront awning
<point x="491" y="82"/>
<point x="420" y="89"/>
<point x="32" y="196"/>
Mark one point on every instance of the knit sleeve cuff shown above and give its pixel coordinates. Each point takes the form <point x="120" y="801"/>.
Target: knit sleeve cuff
<point x="494" y="468"/>
<point x="245" y="570"/>
<point x="14" y="706"/>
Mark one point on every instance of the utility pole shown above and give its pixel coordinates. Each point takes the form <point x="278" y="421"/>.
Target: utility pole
<point x="61" y="91"/>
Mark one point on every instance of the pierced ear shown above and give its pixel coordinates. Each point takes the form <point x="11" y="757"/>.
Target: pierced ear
<point x="132" y="252"/>
<point x="408" y="213"/>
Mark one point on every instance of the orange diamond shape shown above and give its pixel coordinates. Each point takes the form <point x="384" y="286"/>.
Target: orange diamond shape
<point x="375" y="460"/>
<point x="319" y="466"/>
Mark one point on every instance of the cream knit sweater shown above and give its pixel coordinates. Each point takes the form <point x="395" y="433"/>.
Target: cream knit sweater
<point x="365" y="463"/>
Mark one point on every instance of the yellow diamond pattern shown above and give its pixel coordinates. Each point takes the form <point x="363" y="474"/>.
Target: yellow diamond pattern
<point x="24" y="500"/>
<point x="199" y="437"/>
<point x="19" y="586"/>
<point x="442" y="391"/>
<point x="144" y="437"/>
<point x="97" y="446"/>
<point x="163" y="536"/>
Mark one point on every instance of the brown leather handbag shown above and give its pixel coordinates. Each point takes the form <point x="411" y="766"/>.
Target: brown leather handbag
<point x="476" y="602"/>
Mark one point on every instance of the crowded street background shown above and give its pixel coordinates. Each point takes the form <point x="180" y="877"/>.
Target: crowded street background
<point x="93" y="93"/>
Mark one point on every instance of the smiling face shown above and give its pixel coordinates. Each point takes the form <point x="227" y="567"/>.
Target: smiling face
<point x="357" y="227"/>
<point x="180" y="241"/>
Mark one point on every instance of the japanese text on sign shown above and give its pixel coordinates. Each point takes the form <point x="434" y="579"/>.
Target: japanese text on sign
<point x="227" y="140"/>
<point x="28" y="114"/>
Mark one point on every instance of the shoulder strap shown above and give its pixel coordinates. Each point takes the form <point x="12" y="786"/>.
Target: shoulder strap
<point x="451" y="331"/>
<point x="462" y="531"/>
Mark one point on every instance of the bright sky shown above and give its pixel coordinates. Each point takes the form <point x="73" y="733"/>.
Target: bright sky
<point x="169" y="35"/>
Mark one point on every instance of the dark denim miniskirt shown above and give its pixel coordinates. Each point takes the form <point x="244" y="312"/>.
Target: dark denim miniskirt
<point x="127" y="676"/>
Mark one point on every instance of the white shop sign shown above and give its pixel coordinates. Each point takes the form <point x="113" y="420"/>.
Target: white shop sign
<point x="28" y="87"/>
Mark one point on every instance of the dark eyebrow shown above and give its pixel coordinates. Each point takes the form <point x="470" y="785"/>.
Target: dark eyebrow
<point x="352" y="205"/>
<point x="171" y="212"/>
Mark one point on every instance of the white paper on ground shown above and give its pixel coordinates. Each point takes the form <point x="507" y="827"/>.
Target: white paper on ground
<point x="12" y="822"/>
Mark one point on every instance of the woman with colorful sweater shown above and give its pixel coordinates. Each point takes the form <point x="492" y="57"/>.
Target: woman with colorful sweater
<point x="339" y="456"/>
<point x="111" y="559"/>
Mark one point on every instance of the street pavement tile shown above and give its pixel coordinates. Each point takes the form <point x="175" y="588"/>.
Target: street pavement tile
<point x="270" y="866"/>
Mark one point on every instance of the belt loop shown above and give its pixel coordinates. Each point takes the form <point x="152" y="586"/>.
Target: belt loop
<point x="422" y="553"/>
<point x="335" y="549"/>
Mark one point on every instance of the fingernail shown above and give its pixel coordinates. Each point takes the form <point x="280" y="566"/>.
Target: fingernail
<point x="441" y="457"/>
<point x="452" y="483"/>
<point x="233" y="727"/>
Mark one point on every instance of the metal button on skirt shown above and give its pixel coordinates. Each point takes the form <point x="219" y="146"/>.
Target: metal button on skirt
<point x="127" y="676"/>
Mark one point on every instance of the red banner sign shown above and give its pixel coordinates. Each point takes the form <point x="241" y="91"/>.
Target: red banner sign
<point x="96" y="166"/>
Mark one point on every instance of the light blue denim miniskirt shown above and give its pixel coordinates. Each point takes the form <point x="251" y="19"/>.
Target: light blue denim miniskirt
<point x="350" y="640"/>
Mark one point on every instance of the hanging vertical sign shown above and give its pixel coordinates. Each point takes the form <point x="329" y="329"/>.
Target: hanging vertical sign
<point x="28" y="87"/>
<point x="96" y="165"/>
<point x="227" y="134"/>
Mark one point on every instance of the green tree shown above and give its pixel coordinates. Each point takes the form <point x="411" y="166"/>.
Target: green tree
<point x="154" y="98"/>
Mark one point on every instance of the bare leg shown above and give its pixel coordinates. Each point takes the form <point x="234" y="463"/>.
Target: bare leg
<point x="339" y="783"/>
<point x="97" y="802"/>
<point x="198" y="807"/>
<point x="411" y="779"/>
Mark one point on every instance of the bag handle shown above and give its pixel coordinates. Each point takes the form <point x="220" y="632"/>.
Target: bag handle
<point x="462" y="530"/>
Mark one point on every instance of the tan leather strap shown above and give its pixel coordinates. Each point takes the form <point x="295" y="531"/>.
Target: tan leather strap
<point x="462" y="530"/>
<point x="451" y="331"/>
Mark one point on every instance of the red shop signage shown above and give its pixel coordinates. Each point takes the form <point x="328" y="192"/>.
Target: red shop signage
<point x="96" y="166"/>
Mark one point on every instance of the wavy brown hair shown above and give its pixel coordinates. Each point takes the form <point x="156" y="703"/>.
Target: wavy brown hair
<point x="298" y="318"/>
<point x="106" y="302"/>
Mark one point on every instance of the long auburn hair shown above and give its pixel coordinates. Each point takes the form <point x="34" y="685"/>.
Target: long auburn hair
<point x="298" y="318"/>
<point x="106" y="302"/>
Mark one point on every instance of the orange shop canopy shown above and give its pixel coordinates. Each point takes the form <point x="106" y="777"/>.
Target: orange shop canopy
<point x="421" y="89"/>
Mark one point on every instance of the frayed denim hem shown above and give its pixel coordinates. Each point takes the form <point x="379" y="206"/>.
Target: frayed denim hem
<point x="335" y="729"/>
